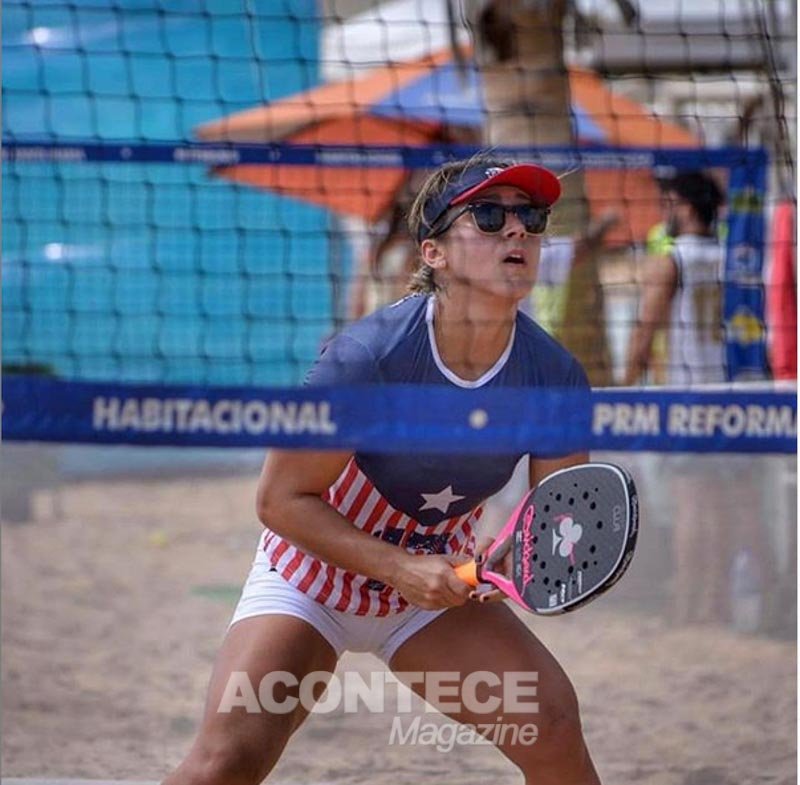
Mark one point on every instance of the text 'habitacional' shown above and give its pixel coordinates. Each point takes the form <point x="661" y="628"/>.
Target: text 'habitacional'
<point x="189" y="415"/>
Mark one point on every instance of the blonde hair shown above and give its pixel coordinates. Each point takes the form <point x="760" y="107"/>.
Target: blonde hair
<point x="423" y="280"/>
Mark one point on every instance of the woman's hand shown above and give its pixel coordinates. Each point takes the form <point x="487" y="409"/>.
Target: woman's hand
<point x="430" y="582"/>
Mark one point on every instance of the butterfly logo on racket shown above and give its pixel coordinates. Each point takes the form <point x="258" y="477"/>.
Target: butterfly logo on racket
<point x="567" y="536"/>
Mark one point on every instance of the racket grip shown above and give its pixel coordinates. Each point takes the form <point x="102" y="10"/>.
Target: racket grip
<point x="468" y="573"/>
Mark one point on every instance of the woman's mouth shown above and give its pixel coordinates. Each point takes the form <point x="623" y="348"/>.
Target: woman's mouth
<point x="515" y="257"/>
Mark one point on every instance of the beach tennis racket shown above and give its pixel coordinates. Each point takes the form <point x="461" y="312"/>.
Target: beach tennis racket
<point x="571" y="538"/>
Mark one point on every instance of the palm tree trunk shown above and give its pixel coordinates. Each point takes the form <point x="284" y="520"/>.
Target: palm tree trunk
<point x="520" y="53"/>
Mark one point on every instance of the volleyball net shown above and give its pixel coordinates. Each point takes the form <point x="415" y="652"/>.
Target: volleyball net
<point x="197" y="196"/>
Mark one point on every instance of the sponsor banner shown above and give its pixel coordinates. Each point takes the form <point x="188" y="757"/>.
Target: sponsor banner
<point x="743" y="310"/>
<point x="399" y="418"/>
<point x="687" y="421"/>
<point x="378" y="156"/>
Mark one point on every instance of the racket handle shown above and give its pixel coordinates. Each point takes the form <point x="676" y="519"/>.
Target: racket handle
<point x="468" y="573"/>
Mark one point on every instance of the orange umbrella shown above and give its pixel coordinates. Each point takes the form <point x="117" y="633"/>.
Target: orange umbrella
<point x="425" y="101"/>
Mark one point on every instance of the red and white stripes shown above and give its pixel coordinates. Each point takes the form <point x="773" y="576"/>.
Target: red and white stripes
<point x="357" y="499"/>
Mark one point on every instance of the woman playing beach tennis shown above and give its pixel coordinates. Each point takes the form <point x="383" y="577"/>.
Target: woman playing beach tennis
<point x="358" y="549"/>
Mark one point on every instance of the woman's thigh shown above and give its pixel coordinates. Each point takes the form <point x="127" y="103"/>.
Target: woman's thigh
<point x="508" y="679"/>
<point x="252" y="708"/>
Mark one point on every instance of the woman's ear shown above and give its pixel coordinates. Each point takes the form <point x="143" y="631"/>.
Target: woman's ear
<point x="432" y="253"/>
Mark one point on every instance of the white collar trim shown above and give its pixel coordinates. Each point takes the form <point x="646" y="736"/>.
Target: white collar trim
<point x="446" y="372"/>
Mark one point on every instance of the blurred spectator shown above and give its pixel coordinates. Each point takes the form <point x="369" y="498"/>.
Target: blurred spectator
<point x="559" y="255"/>
<point x="682" y="290"/>
<point x="382" y="272"/>
<point x="721" y="557"/>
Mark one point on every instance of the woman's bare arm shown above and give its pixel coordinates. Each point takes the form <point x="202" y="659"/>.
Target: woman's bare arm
<point x="290" y="502"/>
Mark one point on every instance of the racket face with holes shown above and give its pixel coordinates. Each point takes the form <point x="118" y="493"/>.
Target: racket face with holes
<point x="574" y="537"/>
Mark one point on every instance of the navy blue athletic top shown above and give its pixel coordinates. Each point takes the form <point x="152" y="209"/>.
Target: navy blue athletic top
<point x="396" y="345"/>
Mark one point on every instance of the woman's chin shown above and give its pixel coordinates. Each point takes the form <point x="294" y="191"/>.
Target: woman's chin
<point x="511" y="289"/>
<point x="515" y="288"/>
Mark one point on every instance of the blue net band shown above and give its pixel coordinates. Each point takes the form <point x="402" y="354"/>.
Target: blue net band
<point x="423" y="157"/>
<point x="398" y="419"/>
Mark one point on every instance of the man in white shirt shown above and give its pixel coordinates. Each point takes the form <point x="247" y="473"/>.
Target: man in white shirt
<point x="684" y="289"/>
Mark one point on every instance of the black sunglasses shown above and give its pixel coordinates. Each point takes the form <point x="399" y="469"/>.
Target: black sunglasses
<point x="490" y="217"/>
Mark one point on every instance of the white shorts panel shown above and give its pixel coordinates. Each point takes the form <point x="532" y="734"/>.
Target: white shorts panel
<point x="265" y="592"/>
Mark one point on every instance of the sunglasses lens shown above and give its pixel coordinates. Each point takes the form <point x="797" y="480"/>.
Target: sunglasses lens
<point x="489" y="217"/>
<point x="534" y="219"/>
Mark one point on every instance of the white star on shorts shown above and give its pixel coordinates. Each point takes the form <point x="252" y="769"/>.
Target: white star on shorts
<point x="440" y="501"/>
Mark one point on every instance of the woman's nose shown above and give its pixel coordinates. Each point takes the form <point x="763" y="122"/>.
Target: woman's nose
<point x="513" y="226"/>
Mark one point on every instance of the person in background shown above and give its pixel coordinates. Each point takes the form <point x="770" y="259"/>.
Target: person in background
<point x="381" y="272"/>
<point x="682" y="290"/>
<point x="720" y="552"/>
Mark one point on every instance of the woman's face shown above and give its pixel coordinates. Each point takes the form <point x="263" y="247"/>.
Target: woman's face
<point x="504" y="264"/>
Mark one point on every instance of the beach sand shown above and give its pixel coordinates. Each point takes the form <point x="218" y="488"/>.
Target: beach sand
<point x="113" y="608"/>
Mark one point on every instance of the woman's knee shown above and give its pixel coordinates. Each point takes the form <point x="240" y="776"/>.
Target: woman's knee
<point x="222" y="767"/>
<point x="230" y="761"/>
<point x="558" y="731"/>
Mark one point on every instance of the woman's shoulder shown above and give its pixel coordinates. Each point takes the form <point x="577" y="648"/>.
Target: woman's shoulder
<point x="384" y="328"/>
<point x="544" y="353"/>
<point x="533" y="335"/>
<point x="356" y="354"/>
